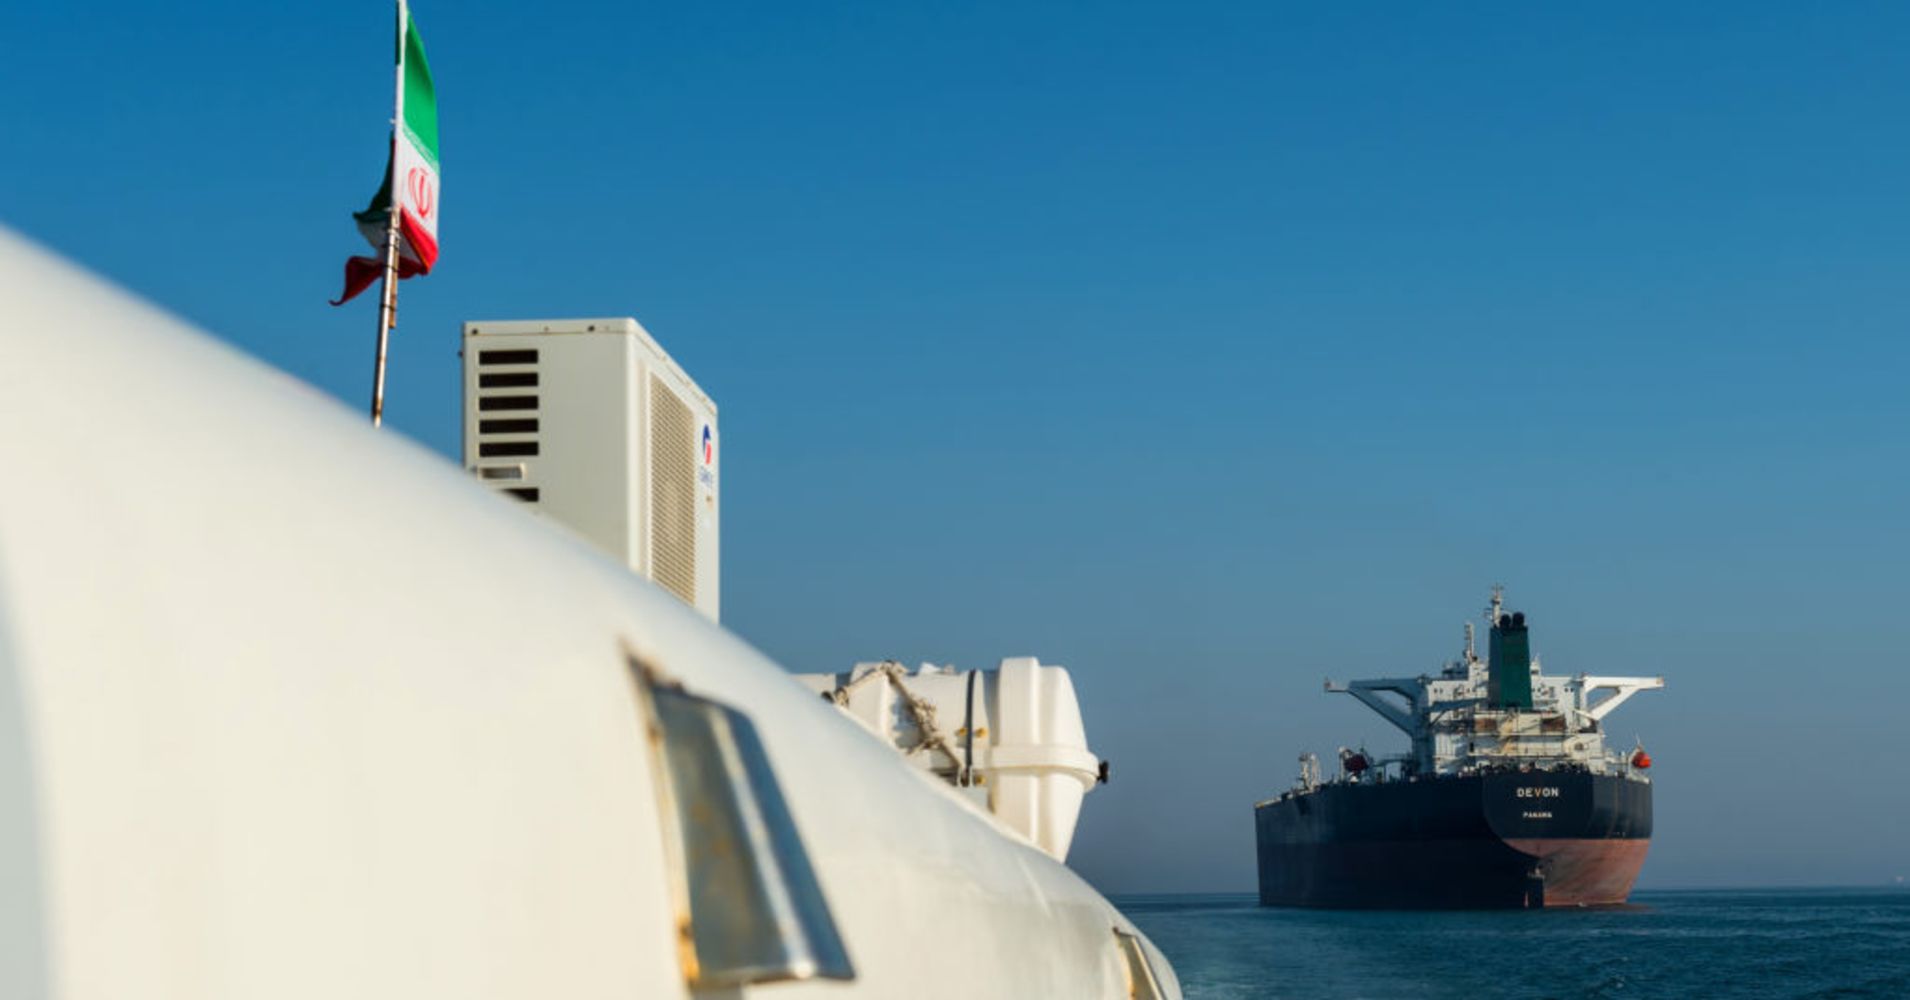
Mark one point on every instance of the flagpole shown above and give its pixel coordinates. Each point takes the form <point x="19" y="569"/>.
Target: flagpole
<point x="388" y="296"/>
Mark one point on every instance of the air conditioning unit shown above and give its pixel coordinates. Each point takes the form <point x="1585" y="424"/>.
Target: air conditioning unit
<point x="590" y="423"/>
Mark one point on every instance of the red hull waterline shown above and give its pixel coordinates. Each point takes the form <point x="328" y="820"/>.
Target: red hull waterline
<point x="1586" y="872"/>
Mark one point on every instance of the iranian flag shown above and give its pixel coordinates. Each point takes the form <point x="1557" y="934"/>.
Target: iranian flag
<point x="411" y="174"/>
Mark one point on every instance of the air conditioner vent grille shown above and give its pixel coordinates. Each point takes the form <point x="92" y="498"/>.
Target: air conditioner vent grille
<point x="672" y="492"/>
<point x="508" y="434"/>
<point x="506" y="380"/>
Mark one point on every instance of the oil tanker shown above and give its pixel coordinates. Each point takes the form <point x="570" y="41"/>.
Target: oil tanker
<point x="1508" y="797"/>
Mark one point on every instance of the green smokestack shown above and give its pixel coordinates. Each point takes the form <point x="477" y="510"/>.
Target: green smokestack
<point x="1509" y="683"/>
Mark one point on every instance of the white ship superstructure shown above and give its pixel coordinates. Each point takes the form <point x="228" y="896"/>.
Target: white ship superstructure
<point x="1469" y="716"/>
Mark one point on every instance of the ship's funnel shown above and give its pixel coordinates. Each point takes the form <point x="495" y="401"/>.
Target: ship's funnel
<point x="1509" y="684"/>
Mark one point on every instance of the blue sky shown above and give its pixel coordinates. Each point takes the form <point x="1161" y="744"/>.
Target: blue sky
<point x="1209" y="350"/>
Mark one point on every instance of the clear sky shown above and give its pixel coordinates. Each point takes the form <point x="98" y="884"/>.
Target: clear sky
<point x="1209" y="350"/>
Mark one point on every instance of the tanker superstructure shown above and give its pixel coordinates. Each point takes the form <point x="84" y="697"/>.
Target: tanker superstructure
<point x="1507" y="798"/>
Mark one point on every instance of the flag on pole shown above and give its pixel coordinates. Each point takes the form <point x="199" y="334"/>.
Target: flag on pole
<point x="411" y="173"/>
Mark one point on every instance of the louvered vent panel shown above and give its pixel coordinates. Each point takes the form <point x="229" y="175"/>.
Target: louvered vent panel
<point x="507" y="423"/>
<point x="672" y="492"/>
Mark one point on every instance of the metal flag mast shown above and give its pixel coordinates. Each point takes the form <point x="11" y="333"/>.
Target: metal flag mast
<point x="388" y="297"/>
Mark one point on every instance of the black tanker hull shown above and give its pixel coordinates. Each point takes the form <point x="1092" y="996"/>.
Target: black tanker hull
<point x="1480" y="841"/>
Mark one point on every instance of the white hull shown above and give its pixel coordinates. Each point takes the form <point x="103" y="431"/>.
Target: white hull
<point x="292" y="708"/>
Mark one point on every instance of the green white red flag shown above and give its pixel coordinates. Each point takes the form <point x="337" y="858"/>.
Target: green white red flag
<point x="411" y="174"/>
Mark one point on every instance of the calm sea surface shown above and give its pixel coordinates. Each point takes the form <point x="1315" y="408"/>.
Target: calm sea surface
<point x="1773" y="943"/>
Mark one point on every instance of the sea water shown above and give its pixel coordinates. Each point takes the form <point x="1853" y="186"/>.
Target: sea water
<point x="1744" y="943"/>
